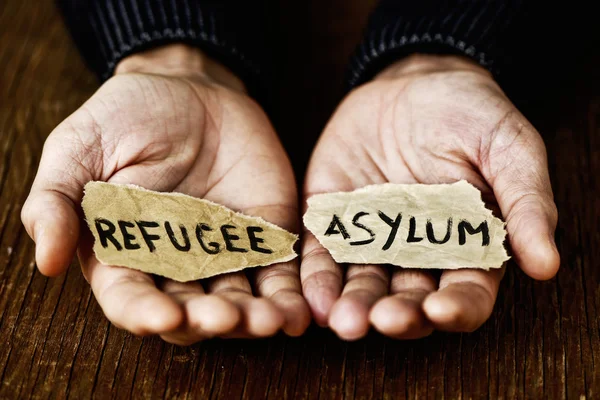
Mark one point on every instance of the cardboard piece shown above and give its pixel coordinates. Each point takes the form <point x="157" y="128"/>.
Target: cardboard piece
<point x="413" y="226"/>
<point x="178" y="236"/>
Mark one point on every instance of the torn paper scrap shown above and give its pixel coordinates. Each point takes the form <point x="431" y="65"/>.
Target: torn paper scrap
<point x="413" y="226"/>
<point x="178" y="236"/>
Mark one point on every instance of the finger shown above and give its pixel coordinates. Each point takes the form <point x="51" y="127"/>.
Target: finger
<point x="50" y="211"/>
<point x="52" y="222"/>
<point x="129" y="298"/>
<point x="365" y="284"/>
<point x="401" y="315"/>
<point x="205" y="316"/>
<point x="259" y="317"/>
<point x="281" y="284"/>
<point x="465" y="299"/>
<point x="321" y="278"/>
<point x="518" y="173"/>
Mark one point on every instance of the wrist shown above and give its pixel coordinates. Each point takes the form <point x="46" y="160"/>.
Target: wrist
<point x="182" y="61"/>
<point x="422" y="64"/>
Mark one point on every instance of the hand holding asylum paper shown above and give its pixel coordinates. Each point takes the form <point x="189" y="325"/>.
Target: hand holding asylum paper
<point x="178" y="236"/>
<point x="413" y="226"/>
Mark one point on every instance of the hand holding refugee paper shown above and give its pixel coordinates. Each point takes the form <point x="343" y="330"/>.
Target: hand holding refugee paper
<point x="178" y="236"/>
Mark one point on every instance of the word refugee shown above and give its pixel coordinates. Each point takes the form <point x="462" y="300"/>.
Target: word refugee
<point x="180" y="241"/>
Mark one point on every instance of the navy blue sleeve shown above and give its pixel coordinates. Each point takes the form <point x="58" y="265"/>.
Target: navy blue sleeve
<point x="508" y="37"/>
<point x="106" y="31"/>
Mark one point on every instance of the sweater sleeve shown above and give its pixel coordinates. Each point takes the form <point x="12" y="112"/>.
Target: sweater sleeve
<point x="489" y="32"/>
<point x="106" y="31"/>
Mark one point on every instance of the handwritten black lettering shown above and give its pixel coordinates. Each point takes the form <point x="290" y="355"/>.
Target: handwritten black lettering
<point x="186" y="239"/>
<point x="128" y="238"/>
<point x="148" y="237"/>
<point x="229" y="238"/>
<point x="107" y="234"/>
<point x="213" y="247"/>
<point x="412" y="227"/>
<point x="255" y="240"/>
<point x="361" y="226"/>
<point x="394" y="224"/>
<point x="431" y="235"/>
<point x="464" y="225"/>
<point x="335" y="222"/>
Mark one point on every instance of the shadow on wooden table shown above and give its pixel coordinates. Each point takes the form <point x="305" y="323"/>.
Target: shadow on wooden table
<point x="541" y="342"/>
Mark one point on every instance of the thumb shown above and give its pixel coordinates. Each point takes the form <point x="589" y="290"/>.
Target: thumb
<point x="50" y="213"/>
<point x="518" y="172"/>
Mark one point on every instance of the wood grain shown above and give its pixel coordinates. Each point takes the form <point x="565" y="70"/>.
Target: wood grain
<point x="543" y="340"/>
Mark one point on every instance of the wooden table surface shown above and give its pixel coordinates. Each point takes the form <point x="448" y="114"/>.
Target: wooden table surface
<point x="541" y="342"/>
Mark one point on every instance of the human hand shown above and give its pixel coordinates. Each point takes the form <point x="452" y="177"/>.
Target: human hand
<point x="171" y="119"/>
<point x="428" y="119"/>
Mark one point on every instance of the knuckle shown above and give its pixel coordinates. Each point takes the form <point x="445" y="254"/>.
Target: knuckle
<point x="414" y="280"/>
<point x="374" y="279"/>
<point x="367" y="271"/>
<point x="321" y="278"/>
<point x="522" y="201"/>
<point x="314" y="254"/>
<point x="266" y="278"/>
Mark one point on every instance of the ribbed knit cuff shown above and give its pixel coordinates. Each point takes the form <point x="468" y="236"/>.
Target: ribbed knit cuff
<point x="106" y="31"/>
<point x="478" y="29"/>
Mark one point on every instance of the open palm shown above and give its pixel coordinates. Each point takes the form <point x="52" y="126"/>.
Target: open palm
<point x="182" y="133"/>
<point x="428" y="120"/>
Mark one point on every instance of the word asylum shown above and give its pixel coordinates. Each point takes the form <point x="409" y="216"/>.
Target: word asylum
<point x="418" y="230"/>
<point x="133" y="235"/>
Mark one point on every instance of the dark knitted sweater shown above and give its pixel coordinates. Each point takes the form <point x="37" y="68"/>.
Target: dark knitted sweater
<point x="500" y="35"/>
